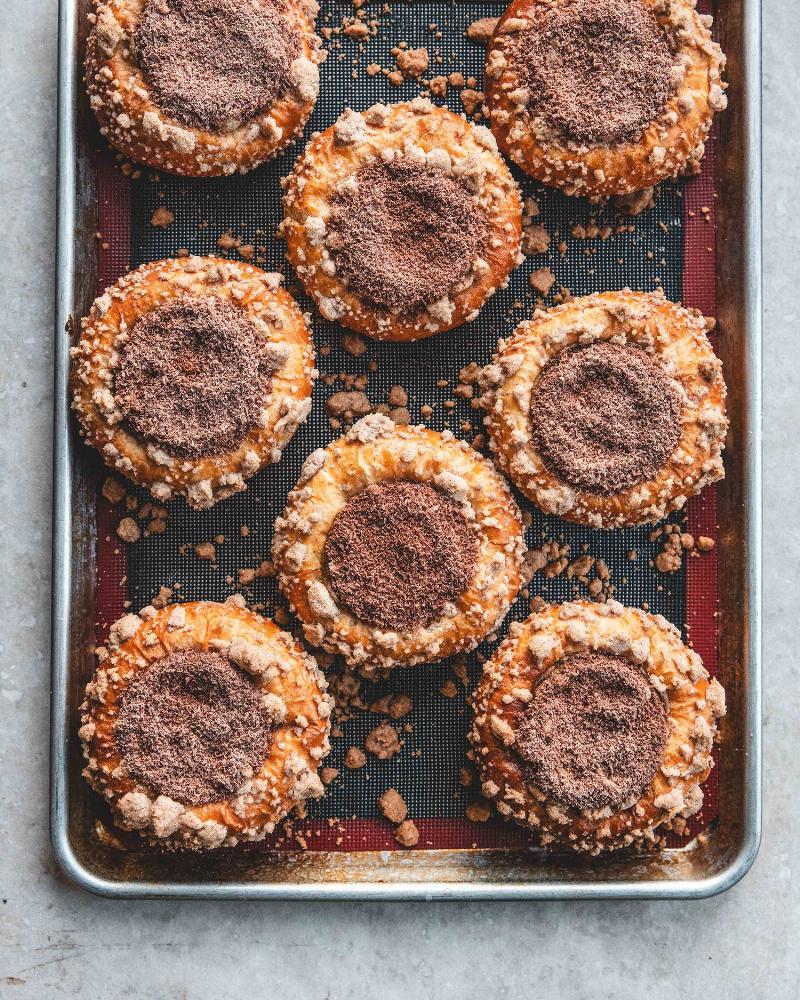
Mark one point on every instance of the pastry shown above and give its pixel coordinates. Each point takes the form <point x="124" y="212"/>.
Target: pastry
<point x="603" y="97"/>
<point x="399" y="545"/>
<point x="609" y="409"/>
<point x="202" y="87"/>
<point x="204" y="725"/>
<point x="402" y="220"/>
<point x="192" y="374"/>
<point x="593" y="725"/>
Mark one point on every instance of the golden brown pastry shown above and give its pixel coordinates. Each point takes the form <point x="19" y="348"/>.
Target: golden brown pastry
<point x="603" y="97"/>
<point x="202" y="87"/>
<point x="402" y="220"/>
<point x="399" y="545"/>
<point x="192" y="374"/>
<point x="204" y="725"/>
<point x="594" y="724"/>
<point x="608" y="410"/>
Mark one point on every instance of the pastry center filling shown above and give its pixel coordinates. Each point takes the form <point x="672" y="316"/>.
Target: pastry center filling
<point x="398" y="553"/>
<point x="593" y="733"/>
<point x="402" y="235"/>
<point x="605" y="417"/>
<point x="598" y="71"/>
<point x="216" y="64"/>
<point x="193" y="377"/>
<point x="192" y="727"/>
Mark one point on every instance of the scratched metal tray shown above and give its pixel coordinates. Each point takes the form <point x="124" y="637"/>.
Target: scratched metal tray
<point x="718" y="604"/>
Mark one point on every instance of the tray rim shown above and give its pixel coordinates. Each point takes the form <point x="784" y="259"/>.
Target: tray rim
<point x="74" y="870"/>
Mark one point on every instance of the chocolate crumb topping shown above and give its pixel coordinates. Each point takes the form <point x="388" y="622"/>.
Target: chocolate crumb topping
<point x="605" y="417"/>
<point x="598" y="71"/>
<point x="398" y="553"/>
<point x="405" y="234"/>
<point x="193" y="376"/>
<point x="216" y="64"/>
<point x="192" y="727"/>
<point x="593" y="733"/>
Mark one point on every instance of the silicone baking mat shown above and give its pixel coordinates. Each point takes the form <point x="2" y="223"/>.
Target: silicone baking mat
<point x="592" y="248"/>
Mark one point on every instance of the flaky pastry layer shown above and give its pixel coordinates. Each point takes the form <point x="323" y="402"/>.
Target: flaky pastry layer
<point x="672" y="144"/>
<point x="695" y="703"/>
<point x="205" y="480"/>
<point x="677" y="337"/>
<point x="295" y="699"/>
<point x="373" y="451"/>
<point x="431" y="134"/>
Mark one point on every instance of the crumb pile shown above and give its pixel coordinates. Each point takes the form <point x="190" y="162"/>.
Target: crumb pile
<point x="398" y="553"/>
<point x="599" y="71"/>
<point x="605" y="417"/>
<point x="192" y="727"/>
<point x="594" y="732"/>
<point x="404" y="234"/>
<point x="216" y="64"/>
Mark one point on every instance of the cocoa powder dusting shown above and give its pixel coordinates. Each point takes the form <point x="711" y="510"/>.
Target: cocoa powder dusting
<point x="192" y="727"/>
<point x="216" y="64"/>
<point x="398" y="553"/>
<point x="404" y="234"/>
<point x="193" y="376"/>
<point x="598" y="71"/>
<point x="593" y="733"/>
<point x="605" y="417"/>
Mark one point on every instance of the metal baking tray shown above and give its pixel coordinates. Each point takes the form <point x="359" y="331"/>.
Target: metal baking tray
<point x="709" y="863"/>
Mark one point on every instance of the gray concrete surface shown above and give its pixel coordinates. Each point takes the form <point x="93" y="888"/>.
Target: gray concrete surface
<point x="56" y="942"/>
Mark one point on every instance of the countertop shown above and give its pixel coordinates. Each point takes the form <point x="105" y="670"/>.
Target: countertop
<point x="55" y="941"/>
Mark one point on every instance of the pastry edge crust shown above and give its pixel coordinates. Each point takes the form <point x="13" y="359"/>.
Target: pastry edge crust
<point x="135" y="125"/>
<point x="677" y="336"/>
<point x="696" y="702"/>
<point x="299" y="706"/>
<point x="375" y="450"/>
<point x="205" y="480"/>
<point x="357" y="138"/>
<point x="673" y="144"/>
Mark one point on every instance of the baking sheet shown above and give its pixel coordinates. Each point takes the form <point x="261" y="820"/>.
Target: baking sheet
<point x="672" y="246"/>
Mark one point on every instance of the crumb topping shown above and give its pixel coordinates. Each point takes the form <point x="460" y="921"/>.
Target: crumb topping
<point x="398" y="553"/>
<point x="216" y="64"/>
<point x="598" y="71"/>
<point x="192" y="727"/>
<point x="593" y="733"/>
<point x="605" y="417"/>
<point x="193" y="376"/>
<point x="404" y="234"/>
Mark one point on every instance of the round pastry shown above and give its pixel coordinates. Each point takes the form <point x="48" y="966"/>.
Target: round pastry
<point x="399" y="545"/>
<point x="192" y="374"/>
<point x="204" y="725"/>
<point x="608" y="410"/>
<point x="603" y="97"/>
<point x="202" y="87"/>
<point x="594" y="724"/>
<point x="402" y="220"/>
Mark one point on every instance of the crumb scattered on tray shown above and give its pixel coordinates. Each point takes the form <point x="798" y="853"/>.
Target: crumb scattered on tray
<point x="411" y="62"/>
<point x="162" y="217"/>
<point x="113" y="490"/>
<point x="407" y="833"/>
<point x="128" y="530"/>
<point x="478" y="811"/>
<point x="383" y="742"/>
<point x="482" y="29"/>
<point x="393" y="806"/>
<point x="542" y="281"/>
<point x="354" y="758"/>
